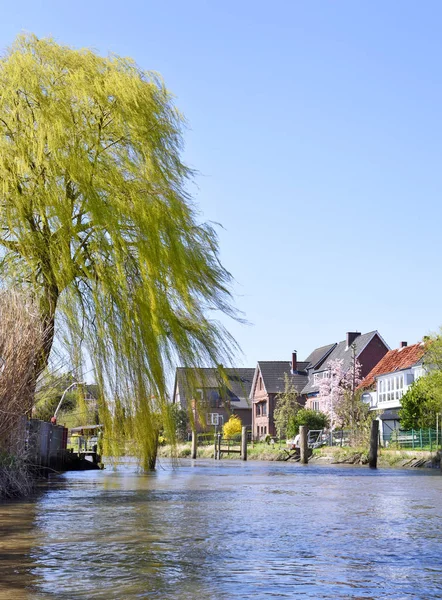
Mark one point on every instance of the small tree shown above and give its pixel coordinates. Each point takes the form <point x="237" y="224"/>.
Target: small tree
<point x="181" y="420"/>
<point x="422" y="402"/>
<point x="338" y="392"/>
<point x="310" y="418"/>
<point x="331" y="391"/>
<point x="232" y="427"/>
<point x="286" y="407"/>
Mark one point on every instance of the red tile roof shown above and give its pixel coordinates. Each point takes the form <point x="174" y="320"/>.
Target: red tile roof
<point x="394" y="360"/>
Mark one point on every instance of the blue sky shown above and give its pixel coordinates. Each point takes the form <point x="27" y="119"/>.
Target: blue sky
<point x="317" y="133"/>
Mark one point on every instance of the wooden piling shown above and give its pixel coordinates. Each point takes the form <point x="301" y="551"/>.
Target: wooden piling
<point x="374" y="438"/>
<point x="243" y="443"/>
<point x="303" y="444"/>
<point x="194" y="444"/>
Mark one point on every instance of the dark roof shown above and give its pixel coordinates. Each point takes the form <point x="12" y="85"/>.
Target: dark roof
<point x="318" y="355"/>
<point x="395" y="360"/>
<point x="85" y="427"/>
<point x="273" y="371"/>
<point x="389" y="415"/>
<point x="238" y="382"/>
<point x="341" y="352"/>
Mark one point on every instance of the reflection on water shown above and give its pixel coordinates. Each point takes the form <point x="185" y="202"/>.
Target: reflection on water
<point x="226" y="529"/>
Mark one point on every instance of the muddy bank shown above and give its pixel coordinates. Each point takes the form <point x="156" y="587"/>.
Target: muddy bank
<point x="386" y="458"/>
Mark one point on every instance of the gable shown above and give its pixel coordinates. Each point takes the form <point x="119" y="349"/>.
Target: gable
<point x="394" y="360"/>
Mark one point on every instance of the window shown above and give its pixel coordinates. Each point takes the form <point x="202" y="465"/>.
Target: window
<point x="318" y="376"/>
<point x="418" y="372"/>
<point x="391" y="388"/>
<point x="265" y="430"/>
<point x="258" y="410"/>
<point x="315" y="404"/>
<point x="260" y="384"/>
<point x="264" y="409"/>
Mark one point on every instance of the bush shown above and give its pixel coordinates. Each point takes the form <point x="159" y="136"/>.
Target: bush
<point x="232" y="427"/>
<point x="312" y="419"/>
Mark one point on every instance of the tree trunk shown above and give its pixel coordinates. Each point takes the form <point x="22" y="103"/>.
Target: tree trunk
<point x="48" y="306"/>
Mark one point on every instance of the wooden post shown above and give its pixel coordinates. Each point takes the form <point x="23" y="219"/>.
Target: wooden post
<point x="374" y="438"/>
<point x="194" y="444"/>
<point x="303" y="444"/>
<point x="216" y="445"/>
<point x="219" y="446"/>
<point x="244" y="444"/>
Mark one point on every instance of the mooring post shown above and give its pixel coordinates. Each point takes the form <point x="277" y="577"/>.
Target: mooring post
<point x="374" y="438"/>
<point x="243" y="443"/>
<point x="194" y="444"/>
<point x="303" y="444"/>
<point x="219" y="446"/>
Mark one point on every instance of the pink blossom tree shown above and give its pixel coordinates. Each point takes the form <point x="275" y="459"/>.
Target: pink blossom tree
<point x="331" y="390"/>
<point x="337" y="391"/>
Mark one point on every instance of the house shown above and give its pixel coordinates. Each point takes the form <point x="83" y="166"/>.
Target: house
<point x="389" y="380"/>
<point x="269" y="377"/>
<point x="368" y="349"/>
<point x="219" y="394"/>
<point x="269" y="381"/>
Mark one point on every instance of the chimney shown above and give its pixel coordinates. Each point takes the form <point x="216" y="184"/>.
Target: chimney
<point x="351" y="336"/>
<point x="403" y="344"/>
<point x="294" y="362"/>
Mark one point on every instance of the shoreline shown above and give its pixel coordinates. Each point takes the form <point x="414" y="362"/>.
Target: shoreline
<point x="327" y="455"/>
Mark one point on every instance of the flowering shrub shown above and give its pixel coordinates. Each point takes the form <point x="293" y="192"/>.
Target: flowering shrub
<point x="232" y="427"/>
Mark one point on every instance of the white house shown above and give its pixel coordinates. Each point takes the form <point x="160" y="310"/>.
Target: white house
<point x="389" y="380"/>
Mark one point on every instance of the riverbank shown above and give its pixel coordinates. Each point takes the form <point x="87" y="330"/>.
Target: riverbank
<point x="386" y="457"/>
<point x="325" y="455"/>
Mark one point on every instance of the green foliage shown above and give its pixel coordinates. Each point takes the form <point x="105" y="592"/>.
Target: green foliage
<point x="352" y="412"/>
<point x="311" y="418"/>
<point x="287" y="407"/>
<point x="232" y="427"/>
<point x="422" y="401"/>
<point x="47" y="402"/>
<point x="181" y="421"/>
<point x="96" y="220"/>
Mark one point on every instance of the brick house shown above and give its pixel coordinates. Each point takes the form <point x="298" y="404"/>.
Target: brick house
<point x="268" y="382"/>
<point x="216" y="394"/>
<point x="370" y="348"/>
<point x="269" y="376"/>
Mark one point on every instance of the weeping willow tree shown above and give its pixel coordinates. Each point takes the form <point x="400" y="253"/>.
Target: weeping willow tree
<point x="96" y="221"/>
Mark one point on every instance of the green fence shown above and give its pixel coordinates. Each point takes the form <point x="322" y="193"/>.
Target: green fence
<point x="414" y="439"/>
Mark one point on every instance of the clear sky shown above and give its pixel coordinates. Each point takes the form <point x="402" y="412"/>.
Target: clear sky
<point x="316" y="127"/>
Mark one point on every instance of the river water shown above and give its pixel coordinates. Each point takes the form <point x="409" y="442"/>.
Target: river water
<point x="222" y="530"/>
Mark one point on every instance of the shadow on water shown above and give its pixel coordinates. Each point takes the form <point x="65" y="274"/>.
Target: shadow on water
<point x="228" y="529"/>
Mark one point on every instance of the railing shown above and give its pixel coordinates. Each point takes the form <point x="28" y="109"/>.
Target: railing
<point x="81" y="444"/>
<point x="228" y="446"/>
<point x="206" y="439"/>
<point x="339" y="437"/>
<point x="414" y="439"/>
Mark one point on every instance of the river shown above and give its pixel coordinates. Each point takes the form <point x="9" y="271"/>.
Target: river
<point x="222" y="530"/>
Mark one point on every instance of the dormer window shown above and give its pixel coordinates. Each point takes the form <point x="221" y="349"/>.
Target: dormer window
<point x="318" y="376"/>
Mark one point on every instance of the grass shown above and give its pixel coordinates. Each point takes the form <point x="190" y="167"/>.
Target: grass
<point x="259" y="451"/>
<point x="333" y="455"/>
